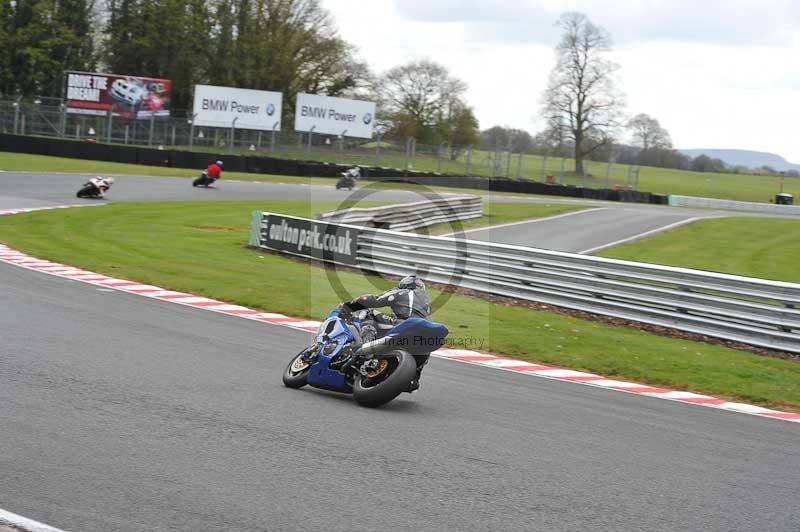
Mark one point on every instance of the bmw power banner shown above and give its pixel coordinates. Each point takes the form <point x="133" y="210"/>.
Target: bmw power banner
<point x="334" y="116"/>
<point x="93" y="93"/>
<point x="310" y="238"/>
<point x="240" y="108"/>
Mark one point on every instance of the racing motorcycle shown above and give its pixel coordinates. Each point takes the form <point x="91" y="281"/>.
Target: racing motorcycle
<point x="204" y="180"/>
<point x="348" y="179"/>
<point x="95" y="187"/>
<point x="377" y="371"/>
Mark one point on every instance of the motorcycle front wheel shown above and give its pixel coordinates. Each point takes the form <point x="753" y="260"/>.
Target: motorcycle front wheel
<point x="382" y="384"/>
<point x="296" y="373"/>
<point x="86" y="191"/>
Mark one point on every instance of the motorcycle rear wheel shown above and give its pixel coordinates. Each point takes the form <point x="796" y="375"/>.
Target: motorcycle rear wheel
<point x="373" y="392"/>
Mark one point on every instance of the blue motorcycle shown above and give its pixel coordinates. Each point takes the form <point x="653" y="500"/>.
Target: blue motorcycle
<point x="374" y="372"/>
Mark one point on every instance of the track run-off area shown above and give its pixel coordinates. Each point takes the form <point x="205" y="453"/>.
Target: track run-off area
<point x="123" y="412"/>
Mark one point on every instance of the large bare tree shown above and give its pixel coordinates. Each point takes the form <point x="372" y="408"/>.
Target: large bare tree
<point x="582" y="104"/>
<point x="648" y="133"/>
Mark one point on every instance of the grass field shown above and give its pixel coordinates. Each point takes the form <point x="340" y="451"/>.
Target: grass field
<point x="201" y="250"/>
<point x="757" y="247"/>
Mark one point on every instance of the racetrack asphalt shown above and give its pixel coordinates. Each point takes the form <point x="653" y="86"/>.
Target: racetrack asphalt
<point x="124" y="413"/>
<point x="610" y="223"/>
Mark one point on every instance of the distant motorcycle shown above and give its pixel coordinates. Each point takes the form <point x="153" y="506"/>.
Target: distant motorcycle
<point x="377" y="371"/>
<point x="204" y="180"/>
<point x="96" y="187"/>
<point x="349" y="179"/>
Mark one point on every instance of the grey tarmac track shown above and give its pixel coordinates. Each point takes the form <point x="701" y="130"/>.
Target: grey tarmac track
<point x="123" y="413"/>
<point x="591" y="229"/>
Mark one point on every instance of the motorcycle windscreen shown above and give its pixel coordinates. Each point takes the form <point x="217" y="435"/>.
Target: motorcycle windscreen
<point x="420" y="335"/>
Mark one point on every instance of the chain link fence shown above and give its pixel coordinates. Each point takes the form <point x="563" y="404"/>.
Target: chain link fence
<point x="49" y="117"/>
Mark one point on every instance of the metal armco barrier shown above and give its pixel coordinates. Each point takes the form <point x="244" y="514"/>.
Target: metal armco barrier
<point x="743" y="309"/>
<point x="713" y="203"/>
<point x="407" y="216"/>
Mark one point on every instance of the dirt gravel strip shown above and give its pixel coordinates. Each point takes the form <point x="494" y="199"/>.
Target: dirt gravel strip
<point x="17" y="258"/>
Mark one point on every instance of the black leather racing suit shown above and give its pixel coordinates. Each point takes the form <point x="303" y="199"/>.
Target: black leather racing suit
<point x="404" y="303"/>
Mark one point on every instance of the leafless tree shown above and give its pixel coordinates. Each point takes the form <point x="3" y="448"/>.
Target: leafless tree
<point x="581" y="101"/>
<point x="648" y="133"/>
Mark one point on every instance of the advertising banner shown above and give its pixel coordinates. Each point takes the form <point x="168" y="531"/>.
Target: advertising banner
<point x="251" y="109"/>
<point x="93" y="93"/>
<point x="334" y="116"/>
<point x="309" y="238"/>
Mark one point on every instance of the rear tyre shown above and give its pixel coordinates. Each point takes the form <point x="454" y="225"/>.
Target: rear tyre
<point x="296" y="373"/>
<point x="85" y="192"/>
<point x="199" y="181"/>
<point x="395" y="379"/>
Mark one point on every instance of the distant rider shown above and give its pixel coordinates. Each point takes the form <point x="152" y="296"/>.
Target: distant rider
<point x="102" y="184"/>
<point x="214" y="170"/>
<point x="354" y="173"/>
<point x="409" y="300"/>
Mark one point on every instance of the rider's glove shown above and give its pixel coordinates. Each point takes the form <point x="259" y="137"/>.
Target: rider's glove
<point x="345" y="311"/>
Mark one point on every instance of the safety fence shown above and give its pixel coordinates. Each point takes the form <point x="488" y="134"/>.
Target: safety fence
<point x="48" y="117"/>
<point x="408" y="216"/>
<point x="742" y="309"/>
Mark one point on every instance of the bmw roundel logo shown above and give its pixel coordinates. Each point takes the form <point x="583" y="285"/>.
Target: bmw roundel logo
<point x="367" y="118"/>
<point x="270" y="109"/>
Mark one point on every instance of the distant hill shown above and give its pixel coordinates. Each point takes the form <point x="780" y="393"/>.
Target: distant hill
<point x="751" y="159"/>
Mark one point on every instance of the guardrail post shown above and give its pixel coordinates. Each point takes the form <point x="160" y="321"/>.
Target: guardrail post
<point x="310" y="138"/>
<point x="378" y="150"/>
<point x="341" y="145"/>
<point x="16" y="105"/>
<point x="110" y="125"/>
<point x="152" y="126"/>
<point x="63" y="132"/>
<point x="233" y="134"/>
<point x="191" y="131"/>
<point x="77" y="131"/>
<point x="468" y="163"/>
<point x="127" y="132"/>
<point x="519" y="166"/>
<point x="272" y="141"/>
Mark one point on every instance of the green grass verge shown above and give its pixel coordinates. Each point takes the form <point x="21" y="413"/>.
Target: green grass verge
<point x="199" y="248"/>
<point x="756" y="247"/>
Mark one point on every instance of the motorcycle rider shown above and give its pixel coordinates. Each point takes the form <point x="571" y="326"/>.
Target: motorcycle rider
<point x="354" y="173"/>
<point x="214" y="170"/>
<point x="409" y="300"/>
<point x="102" y="184"/>
<point x="211" y="174"/>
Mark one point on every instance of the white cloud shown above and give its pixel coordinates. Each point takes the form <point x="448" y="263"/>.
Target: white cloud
<point x="710" y="72"/>
<point x="734" y="22"/>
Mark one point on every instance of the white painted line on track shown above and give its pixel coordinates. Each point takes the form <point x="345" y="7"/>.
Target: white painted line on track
<point x="25" y="524"/>
<point x="523" y="222"/>
<point x="641" y="235"/>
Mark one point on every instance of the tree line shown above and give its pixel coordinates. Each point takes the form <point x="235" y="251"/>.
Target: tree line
<point x="293" y="46"/>
<point x="289" y="46"/>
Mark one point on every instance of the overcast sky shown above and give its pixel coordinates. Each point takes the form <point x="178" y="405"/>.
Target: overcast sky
<point x="715" y="73"/>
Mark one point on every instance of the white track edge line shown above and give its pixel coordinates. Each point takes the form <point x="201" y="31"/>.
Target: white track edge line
<point x="529" y="221"/>
<point x="642" y="235"/>
<point x="27" y="525"/>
